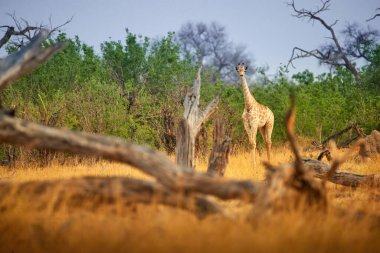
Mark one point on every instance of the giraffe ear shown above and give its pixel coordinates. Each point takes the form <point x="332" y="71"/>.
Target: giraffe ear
<point x="246" y="68"/>
<point x="236" y="67"/>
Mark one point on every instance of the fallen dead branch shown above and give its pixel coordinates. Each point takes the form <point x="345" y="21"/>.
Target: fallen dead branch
<point x="321" y="170"/>
<point x="354" y="127"/>
<point x="20" y="132"/>
<point x="93" y="193"/>
<point x="336" y="135"/>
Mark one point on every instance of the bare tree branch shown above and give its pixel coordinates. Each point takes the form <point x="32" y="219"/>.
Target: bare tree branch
<point x="27" y="59"/>
<point x="23" y="30"/>
<point x="375" y="16"/>
<point x="206" y="113"/>
<point x="333" y="54"/>
<point x="208" y="44"/>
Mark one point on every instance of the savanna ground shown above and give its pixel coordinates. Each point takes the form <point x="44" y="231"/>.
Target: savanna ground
<point x="350" y="224"/>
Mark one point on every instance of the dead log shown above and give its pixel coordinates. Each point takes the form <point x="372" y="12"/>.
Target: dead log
<point x="93" y="193"/>
<point x="191" y="123"/>
<point x="31" y="135"/>
<point x="218" y="160"/>
<point x="321" y="169"/>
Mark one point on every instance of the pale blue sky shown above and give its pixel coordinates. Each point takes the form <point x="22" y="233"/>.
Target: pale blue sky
<point x="265" y="27"/>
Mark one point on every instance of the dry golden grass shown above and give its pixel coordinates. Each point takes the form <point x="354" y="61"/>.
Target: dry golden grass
<point x="351" y="224"/>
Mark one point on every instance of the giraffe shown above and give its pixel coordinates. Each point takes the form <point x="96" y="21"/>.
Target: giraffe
<point x="255" y="117"/>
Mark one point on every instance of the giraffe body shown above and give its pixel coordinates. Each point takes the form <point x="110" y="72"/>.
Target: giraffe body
<point x="256" y="117"/>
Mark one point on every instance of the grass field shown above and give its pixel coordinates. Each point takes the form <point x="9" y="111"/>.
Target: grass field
<point x="351" y="223"/>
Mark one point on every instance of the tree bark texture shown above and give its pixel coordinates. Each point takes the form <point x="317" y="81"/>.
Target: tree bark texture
<point x="218" y="160"/>
<point x="193" y="118"/>
<point x="343" y="178"/>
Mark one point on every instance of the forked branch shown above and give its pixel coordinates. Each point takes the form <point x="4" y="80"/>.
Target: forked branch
<point x="21" y="29"/>
<point x="333" y="54"/>
<point x="27" y="59"/>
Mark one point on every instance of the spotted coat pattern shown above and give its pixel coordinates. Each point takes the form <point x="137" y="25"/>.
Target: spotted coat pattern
<point x="256" y="117"/>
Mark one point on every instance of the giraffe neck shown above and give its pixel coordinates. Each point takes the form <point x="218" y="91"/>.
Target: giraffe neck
<point x="248" y="98"/>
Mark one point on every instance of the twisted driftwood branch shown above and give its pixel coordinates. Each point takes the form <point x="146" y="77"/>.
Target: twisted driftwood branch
<point x="338" y="177"/>
<point x="20" y="132"/>
<point x="94" y="193"/>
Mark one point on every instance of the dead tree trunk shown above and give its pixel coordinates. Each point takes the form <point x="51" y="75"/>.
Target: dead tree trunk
<point x="168" y="137"/>
<point x="218" y="160"/>
<point x="191" y="123"/>
<point x="321" y="171"/>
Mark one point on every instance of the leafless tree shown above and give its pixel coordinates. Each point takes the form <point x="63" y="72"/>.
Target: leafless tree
<point x="208" y="44"/>
<point x="355" y="46"/>
<point x="22" y="30"/>
<point x="359" y="43"/>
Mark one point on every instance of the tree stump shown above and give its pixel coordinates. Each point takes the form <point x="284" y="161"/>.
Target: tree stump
<point x="218" y="160"/>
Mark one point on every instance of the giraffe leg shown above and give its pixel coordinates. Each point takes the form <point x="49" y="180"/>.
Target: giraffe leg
<point x="263" y="134"/>
<point x="253" y="151"/>
<point x="267" y="136"/>
<point x="252" y="132"/>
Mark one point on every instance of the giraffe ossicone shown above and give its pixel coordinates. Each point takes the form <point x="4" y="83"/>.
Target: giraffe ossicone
<point x="255" y="117"/>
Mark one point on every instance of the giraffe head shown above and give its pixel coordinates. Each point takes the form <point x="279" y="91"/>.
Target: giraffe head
<point x="240" y="68"/>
